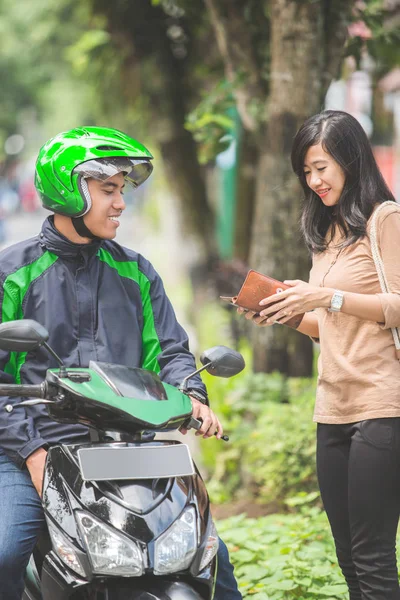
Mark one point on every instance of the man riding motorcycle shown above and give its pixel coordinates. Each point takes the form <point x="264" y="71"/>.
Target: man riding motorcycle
<point x="99" y="301"/>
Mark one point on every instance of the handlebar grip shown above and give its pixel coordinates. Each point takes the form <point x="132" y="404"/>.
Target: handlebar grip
<point x="197" y="423"/>
<point x="194" y="423"/>
<point x="15" y="390"/>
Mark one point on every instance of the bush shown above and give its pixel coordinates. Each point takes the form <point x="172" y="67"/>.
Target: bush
<point x="281" y="557"/>
<point x="270" y="456"/>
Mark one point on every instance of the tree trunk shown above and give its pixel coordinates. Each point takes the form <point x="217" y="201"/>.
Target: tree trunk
<point x="235" y="44"/>
<point x="142" y="38"/>
<point x="301" y="53"/>
<point x="246" y="186"/>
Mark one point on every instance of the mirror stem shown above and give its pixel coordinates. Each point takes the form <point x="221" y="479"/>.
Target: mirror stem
<point x="63" y="370"/>
<point x="183" y="385"/>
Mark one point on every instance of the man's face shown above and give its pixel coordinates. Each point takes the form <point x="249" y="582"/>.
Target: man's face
<point x="107" y="206"/>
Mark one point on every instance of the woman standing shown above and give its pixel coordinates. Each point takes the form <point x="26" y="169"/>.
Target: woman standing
<point x="358" y="393"/>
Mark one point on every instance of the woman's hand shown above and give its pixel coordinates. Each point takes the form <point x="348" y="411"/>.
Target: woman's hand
<point x="301" y="297"/>
<point x="254" y="317"/>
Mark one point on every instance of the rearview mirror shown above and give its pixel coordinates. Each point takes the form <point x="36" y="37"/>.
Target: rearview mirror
<point x="222" y="361"/>
<point x="22" y="336"/>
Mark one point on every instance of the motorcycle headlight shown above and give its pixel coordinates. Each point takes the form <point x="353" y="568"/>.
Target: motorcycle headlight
<point x="65" y="550"/>
<point x="110" y="552"/>
<point x="175" y="549"/>
<point x="211" y="547"/>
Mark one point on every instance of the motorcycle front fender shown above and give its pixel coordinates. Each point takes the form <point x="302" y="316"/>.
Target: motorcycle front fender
<point x="158" y="589"/>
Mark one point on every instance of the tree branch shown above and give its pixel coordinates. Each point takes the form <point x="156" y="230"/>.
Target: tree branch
<point x="236" y="48"/>
<point x="336" y="21"/>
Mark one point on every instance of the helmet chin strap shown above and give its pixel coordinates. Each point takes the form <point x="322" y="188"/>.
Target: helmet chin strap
<point x="81" y="228"/>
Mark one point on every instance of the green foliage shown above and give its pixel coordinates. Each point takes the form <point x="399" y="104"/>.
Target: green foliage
<point x="284" y="557"/>
<point x="209" y="122"/>
<point x="81" y="53"/>
<point x="93" y="57"/>
<point x="384" y="37"/>
<point x="270" y="457"/>
<point x="32" y="66"/>
<point x="268" y="417"/>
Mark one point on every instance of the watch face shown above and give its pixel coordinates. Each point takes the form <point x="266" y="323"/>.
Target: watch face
<point x="337" y="301"/>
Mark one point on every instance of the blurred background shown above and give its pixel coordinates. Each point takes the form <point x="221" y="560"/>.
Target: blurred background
<point x="217" y="90"/>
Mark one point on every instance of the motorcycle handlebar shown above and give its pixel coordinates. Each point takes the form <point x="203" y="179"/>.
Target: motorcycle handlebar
<point x="197" y="423"/>
<point x="24" y="391"/>
<point x="39" y="390"/>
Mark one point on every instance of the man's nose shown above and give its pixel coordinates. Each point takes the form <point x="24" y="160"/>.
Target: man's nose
<point x="119" y="202"/>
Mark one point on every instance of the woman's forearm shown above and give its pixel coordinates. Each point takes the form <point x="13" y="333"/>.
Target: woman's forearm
<point x="363" y="306"/>
<point x="302" y="297"/>
<point x="309" y="325"/>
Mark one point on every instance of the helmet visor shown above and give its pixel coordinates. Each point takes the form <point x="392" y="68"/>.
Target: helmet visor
<point x="135" y="171"/>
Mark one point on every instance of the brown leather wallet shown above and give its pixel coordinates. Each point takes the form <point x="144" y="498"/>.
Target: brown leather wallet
<point x="257" y="286"/>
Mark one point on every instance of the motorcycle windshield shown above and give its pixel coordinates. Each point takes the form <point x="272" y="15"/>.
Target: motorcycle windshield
<point x="130" y="382"/>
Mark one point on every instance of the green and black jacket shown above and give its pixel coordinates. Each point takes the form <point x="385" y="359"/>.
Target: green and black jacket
<point x="99" y="302"/>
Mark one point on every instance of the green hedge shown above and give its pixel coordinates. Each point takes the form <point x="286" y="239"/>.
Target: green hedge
<point x="282" y="557"/>
<point x="271" y="453"/>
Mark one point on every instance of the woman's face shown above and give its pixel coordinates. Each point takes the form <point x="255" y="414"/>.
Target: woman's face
<point x="324" y="175"/>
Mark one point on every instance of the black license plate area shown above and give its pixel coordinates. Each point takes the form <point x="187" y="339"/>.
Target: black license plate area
<point x="135" y="462"/>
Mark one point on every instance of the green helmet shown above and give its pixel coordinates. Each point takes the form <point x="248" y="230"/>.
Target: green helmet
<point x="67" y="160"/>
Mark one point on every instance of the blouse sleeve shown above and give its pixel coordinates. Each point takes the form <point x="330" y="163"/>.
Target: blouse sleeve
<point x="312" y="282"/>
<point x="389" y="245"/>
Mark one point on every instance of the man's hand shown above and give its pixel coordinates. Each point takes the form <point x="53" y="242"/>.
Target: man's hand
<point x="35" y="465"/>
<point x="210" y="425"/>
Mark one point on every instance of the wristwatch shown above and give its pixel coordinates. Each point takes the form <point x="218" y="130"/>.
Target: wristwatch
<point x="198" y="395"/>
<point x="336" y="301"/>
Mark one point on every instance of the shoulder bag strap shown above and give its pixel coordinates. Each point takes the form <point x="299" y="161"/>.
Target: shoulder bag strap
<point x="380" y="266"/>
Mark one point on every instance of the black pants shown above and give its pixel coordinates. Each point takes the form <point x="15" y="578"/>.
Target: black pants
<point x="358" y="469"/>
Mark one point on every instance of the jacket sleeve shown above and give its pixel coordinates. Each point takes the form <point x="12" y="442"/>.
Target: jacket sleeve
<point x="389" y="245"/>
<point x="18" y="435"/>
<point x="165" y="342"/>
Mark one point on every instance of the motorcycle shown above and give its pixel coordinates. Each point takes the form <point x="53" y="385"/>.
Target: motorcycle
<point x="127" y="515"/>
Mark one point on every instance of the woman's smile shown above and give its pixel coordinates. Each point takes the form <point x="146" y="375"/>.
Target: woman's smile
<point x="323" y="193"/>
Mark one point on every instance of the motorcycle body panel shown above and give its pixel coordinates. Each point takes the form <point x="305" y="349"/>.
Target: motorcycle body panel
<point x="141" y="510"/>
<point x="58" y="585"/>
<point x="91" y="398"/>
<point x="135" y="511"/>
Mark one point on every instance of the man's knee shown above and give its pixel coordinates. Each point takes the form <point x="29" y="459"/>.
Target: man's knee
<point x="12" y="561"/>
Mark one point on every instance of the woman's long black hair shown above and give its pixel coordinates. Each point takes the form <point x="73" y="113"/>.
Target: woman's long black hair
<point x="344" y="139"/>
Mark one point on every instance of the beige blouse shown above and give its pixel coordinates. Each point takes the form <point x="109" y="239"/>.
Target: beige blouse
<point x="358" y="370"/>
